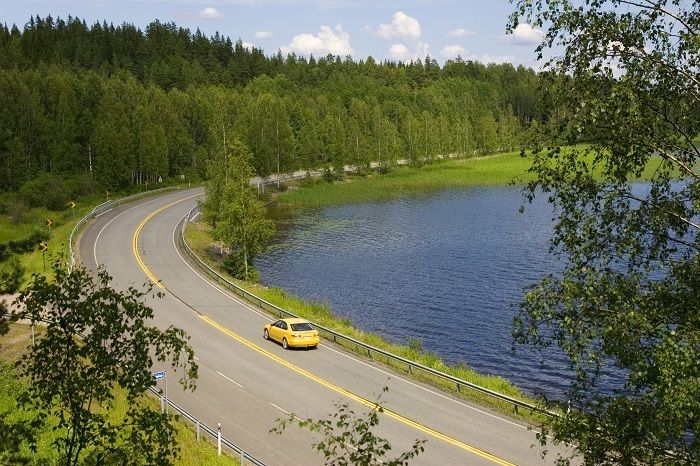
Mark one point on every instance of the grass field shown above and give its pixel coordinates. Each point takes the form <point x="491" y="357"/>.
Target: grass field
<point x="63" y="223"/>
<point x="13" y="345"/>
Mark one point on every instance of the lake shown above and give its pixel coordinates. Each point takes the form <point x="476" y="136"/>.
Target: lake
<point x="448" y="269"/>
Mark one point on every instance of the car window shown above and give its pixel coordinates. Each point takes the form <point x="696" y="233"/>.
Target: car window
<point x="277" y="324"/>
<point x="302" y="326"/>
<point x="283" y="325"/>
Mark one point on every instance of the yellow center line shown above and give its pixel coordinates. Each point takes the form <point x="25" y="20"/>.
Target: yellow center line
<point x="135" y="241"/>
<point x="331" y="386"/>
<point x="348" y="394"/>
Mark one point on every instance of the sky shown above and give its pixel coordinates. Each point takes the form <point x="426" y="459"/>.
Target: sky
<point x="385" y="29"/>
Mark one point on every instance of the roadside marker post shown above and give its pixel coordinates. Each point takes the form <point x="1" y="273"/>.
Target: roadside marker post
<point x="218" y="438"/>
<point x="162" y="375"/>
<point x="43" y="247"/>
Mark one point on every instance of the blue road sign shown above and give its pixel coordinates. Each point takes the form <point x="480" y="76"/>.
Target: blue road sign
<point x="159" y="375"/>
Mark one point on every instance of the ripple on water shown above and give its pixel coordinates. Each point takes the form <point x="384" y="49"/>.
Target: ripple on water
<point x="449" y="269"/>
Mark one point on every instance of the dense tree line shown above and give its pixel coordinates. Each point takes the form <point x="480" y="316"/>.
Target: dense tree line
<point x="116" y="107"/>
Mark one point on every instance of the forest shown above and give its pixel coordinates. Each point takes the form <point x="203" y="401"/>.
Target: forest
<point x="103" y="107"/>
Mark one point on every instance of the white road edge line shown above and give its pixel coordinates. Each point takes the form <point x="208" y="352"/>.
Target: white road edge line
<point x="433" y="392"/>
<point x="229" y="379"/>
<point x="283" y="410"/>
<point x="97" y="239"/>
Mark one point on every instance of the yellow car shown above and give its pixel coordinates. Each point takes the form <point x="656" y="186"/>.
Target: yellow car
<point x="292" y="332"/>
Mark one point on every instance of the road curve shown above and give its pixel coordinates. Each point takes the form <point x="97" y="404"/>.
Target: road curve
<point x="246" y="383"/>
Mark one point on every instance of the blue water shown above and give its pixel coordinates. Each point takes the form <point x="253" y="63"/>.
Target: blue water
<point x="449" y="269"/>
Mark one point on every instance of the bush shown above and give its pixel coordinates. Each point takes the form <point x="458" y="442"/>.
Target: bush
<point x="235" y="265"/>
<point x="330" y="175"/>
<point x="81" y="185"/>
<point x="47" y="191"/>
<point x="11" y="275"/>
<point x="16" y="209"/>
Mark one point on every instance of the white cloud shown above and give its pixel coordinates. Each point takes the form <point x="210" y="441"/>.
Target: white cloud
<point x="402" y="26"/>
<point x="422" y="49"/>
<point x="460" y="33"/>
<point x="248" y="45"/>
<point x="334" y="41"/>
<point x="263" y="34"/>
<point x="452" y="51"/>
<point x="524" y="34"/>
<point x="408" y="30"/>
<point x="404" y="53"/>
<point x="399" y="52"/>
<point x="210" y="13"/>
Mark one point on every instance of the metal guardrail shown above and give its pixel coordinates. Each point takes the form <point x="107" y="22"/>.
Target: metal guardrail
<point x="411" y="366"/>
<point x="102" y="208"/>
<point x="109" y="205"/>
<point x="199" y="426"/>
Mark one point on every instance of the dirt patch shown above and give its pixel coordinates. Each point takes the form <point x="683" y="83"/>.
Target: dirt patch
<point x="16" y="342"/>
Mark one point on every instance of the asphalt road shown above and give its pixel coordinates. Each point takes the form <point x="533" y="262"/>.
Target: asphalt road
<point x="247" y="383"/>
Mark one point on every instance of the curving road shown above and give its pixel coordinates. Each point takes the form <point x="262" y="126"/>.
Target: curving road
<point x="246" y="383"/>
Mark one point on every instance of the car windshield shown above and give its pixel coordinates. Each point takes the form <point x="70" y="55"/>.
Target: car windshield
<point x="302" y="327"/>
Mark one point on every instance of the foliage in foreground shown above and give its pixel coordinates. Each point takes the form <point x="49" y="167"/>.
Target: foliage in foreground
<point x="96" y="338"/>
<point x="347" y="438"/>
<point x="15" y="449"/>
<point x="625" y="310"/>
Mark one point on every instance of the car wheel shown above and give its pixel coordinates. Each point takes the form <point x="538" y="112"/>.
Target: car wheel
<point x="314" y="347"/>
<point x="266" y="334"/>
<point x="285" y="345"/>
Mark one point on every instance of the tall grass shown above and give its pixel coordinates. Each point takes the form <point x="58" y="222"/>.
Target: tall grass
<point x="493" y="170"/>
<point x="408" y="181"/>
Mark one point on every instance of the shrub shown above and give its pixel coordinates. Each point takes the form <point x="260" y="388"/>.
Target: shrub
<point x="235" y="265"/>
<point x="11" y="275"/>
<point x="16" y="209"/>
<point x="81" y="185"/>
<point x="47" y="191"/>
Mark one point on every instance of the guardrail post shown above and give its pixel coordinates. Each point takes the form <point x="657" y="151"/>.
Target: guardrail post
<point x="242" y="456"/>
<point x="218" y="439"/>
<point x="197" y="429"/>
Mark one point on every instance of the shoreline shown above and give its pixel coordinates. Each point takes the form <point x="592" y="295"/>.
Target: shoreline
<point x="491" y="170"/>
<point x="403" y="178"/>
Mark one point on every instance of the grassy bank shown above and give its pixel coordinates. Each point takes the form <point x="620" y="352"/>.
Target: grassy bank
<point x="63" y="223"/>
<point x="496" y="170"/>
<point x="13" y="345"/>
<point x="492" y="170"/>
<point x="199" y="238"/>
